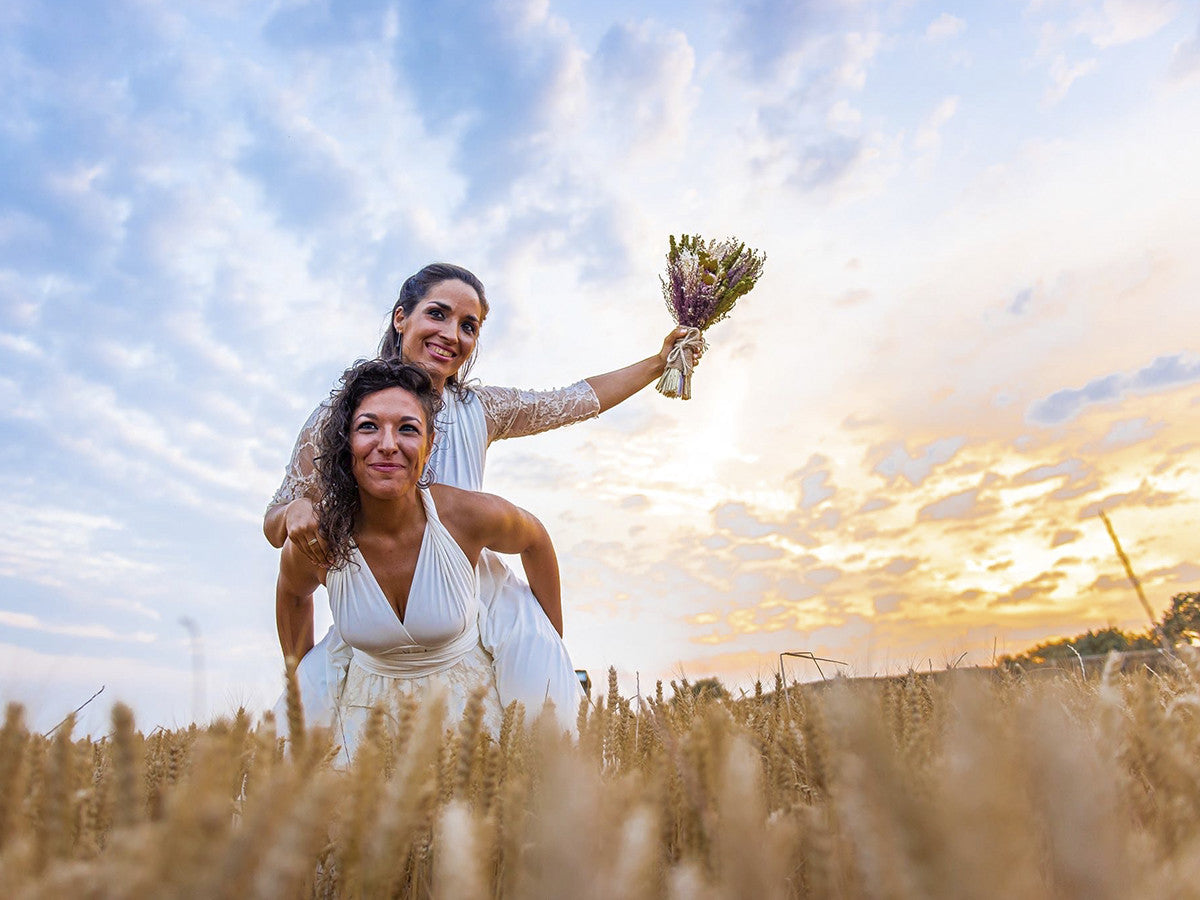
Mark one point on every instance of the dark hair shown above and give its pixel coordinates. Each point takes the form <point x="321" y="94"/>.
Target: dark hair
<point x="413" y="291"/>
<point x="340" y="504"/>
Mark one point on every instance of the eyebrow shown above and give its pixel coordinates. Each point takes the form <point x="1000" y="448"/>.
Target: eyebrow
<point x="370" y="416"/>
<point x="445" y="307"/>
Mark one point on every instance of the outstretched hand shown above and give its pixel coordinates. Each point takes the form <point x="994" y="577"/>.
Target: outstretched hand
<point x="301" y="523"/>
<point x="671" y="339"/>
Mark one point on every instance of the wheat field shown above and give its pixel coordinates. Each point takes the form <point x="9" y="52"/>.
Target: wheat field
<point x="964" y="785"/>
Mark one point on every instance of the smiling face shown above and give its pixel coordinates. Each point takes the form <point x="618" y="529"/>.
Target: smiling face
<point x="389" y="443"/>
<point x="439" y="334"/>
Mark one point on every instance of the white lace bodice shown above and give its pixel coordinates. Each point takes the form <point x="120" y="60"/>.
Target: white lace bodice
<point x="465" y="427"/>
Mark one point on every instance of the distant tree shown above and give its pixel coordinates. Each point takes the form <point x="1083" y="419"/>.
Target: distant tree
<point x="1092" y="643"/>
<point x="1181" y="620"/>
<point x="709" y="687"/>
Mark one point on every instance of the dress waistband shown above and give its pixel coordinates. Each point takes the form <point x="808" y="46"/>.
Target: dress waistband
<point x="417" y="662"/>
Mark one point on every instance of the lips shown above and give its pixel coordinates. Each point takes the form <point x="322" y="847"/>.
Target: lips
<point x="386" y="468"/>
<point x="438" y="352"/>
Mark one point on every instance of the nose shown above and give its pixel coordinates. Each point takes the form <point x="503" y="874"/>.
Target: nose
<point x="387" y="440"/>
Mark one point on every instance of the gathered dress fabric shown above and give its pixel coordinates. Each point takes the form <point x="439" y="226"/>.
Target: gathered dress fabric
<point x="529" y="660"/>
<point x="435" y="648"/>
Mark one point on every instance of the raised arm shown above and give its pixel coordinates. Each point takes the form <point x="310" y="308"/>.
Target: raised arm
<point x="485" y="520"/>
<point x="614" y="387"/>
<point x="514" y="413"/>
<point x="298" y="579"/>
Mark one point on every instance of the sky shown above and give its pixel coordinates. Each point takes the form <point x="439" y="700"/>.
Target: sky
<point x="976" y="329"/>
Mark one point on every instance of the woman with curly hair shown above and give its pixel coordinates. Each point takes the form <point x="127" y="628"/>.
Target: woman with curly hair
<point x="400" y="554"/>
<point x="435" y="323"/>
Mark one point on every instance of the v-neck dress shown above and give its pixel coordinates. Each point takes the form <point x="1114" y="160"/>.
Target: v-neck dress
<point x="531" y="661"/>
<point x="436" y="648"/>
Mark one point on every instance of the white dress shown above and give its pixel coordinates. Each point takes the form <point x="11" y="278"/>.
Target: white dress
<point x="435" y="648"/>
<point x="530" y="660"/>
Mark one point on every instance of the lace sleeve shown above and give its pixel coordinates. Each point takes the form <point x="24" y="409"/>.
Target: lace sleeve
<point x="514" y="413"/>
<point x="300" y="479"/>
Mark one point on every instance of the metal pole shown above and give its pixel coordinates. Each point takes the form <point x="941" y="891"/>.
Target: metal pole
<point x="198" y="698"/>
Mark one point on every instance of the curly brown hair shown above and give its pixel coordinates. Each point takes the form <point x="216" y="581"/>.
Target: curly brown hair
<point x="339" y="505"/>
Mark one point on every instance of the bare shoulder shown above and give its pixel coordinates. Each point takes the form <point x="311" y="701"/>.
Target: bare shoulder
<point x="471" y="510"/>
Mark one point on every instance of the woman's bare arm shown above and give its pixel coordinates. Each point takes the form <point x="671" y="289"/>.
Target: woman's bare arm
<point x="485" y="520"/>
<point x="614" y="387"/>
<point x="294" y="588"/>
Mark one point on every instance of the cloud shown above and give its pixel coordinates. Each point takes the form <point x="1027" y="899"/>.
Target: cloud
<point x="854" y="422"/>
<point x="768" y="34"/>
<point x="68" y="551"/>
<point x="737" y="519"/>
<point x="824" y="161"/>
<point x="804" y="58"/>
<point x="642" y="84"/>
<point x="887" y="603"/>
<point x="1020" y="303"/>
<point x="1116" y="22"/>
<point x="499" y="78"/>
<point x="1164" y="372"/>
<point x="298" y="169"/>
<point x="1071" y="490"/>
<point x="304" y="26"/>
<point x="1063" y="74"/>
<point x="894" y="459"/>
<point x="901" y="565"/>
<point x="756" y="552"/>
<point x="1072" y="469"/>
<point x="1167" y="371"/>
<point x="1143" y="496"/>
<point x="1185" y="61"/>
<point x="962" y="506"/>
<point x="928" y="139"/>
<point x="1065" y="536"/>
<point x="944" y="27"/>
<point x="101" y="632"/>
<point x="822" y="575"/>
<point x="1128" y="432"/>
<point x="1184" y="573"/>
<point x="815" y="489"/>
<point x="1043" y="585"/>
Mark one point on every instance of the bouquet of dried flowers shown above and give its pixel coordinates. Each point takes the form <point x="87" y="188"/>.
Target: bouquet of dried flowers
<point x="704" y="280"/>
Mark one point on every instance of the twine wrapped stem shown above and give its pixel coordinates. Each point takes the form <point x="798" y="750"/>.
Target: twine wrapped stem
<point x="676" y="380"/>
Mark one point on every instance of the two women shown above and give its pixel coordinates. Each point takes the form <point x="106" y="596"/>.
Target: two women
<point x="402" y="554"/>
<point x="435" y="324"/>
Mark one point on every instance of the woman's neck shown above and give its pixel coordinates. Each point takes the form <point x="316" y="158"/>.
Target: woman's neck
<point x="392" y="516"/>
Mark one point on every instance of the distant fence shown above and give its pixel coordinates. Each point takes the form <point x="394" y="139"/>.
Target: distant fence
<point x="1093" y="665"/>
<point x="1090" y="666"/>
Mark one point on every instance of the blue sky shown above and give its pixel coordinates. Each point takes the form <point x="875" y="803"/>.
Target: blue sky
<point x="978" y="324"/>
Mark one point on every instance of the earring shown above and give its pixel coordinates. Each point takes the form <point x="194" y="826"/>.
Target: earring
<point x="428" y="477"/>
